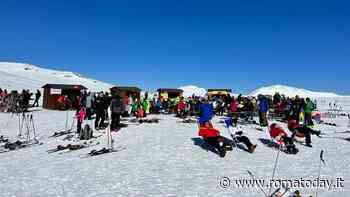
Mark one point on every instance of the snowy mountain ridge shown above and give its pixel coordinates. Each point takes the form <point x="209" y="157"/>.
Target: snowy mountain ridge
<point x="291" y="92"/>
<point x="18" y="76"/>
<point x="190" y="90"/>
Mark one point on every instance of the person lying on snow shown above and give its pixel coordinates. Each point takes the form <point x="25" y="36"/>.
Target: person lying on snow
<point x="212" y="137"/>
<point x="282" y="137"/>
<point x="302" y="131"/>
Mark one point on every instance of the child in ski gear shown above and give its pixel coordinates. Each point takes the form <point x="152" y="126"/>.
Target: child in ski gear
<point x="302" y="131"/>
<point x="282" y="137"/>
<point x="80" y="115"/>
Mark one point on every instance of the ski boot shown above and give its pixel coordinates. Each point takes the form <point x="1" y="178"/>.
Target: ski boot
<point x="291" y="149"/>
<point x="252" y="148"/>
<point x="222" y="149"/>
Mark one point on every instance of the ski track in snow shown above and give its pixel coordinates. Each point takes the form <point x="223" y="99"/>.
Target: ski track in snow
<point x="159" y="160"/>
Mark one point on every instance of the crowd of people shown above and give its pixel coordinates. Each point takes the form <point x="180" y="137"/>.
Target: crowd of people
<point x="16" y="102"/>
<point x="103" y="106"/>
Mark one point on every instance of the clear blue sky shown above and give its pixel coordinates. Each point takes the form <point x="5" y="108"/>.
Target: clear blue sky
<point x="213" y="44"/>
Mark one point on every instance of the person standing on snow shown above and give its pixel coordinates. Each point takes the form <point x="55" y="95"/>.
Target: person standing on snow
<point x="80" y="115"/>
<point x="37" y="97"/>
<point x="117" y="109"/>
<point x="100" y="112"/>
<point x="308" y="108"/>
<point x="89" y="105"/>
<point x="233" y="110"/>
<point x="206" y="112"/>
<point x="263" y="109"/>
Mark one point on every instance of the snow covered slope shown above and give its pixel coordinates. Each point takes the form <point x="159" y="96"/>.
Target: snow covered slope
<point x="191" y="89"/>
<point x="18" y="76"/>
<point x="291" y="92"/>
<point x="162" y="160"/>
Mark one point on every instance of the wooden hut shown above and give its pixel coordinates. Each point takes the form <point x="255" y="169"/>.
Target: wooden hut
<point x="169" y="93"/>
<point x="218" y="93"/>
<point x="126" y="91"/>
<point x="52" y="93"/>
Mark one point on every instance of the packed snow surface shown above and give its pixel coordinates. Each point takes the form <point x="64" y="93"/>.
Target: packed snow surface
<point x="161" y="159"/>
<point x="291" y="92"/>
<point x="18" y="76"/>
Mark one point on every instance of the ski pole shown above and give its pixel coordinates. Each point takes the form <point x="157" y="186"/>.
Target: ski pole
<point x="66" y="126"/>
<point x="274" y="169"/>
<point x="319" y="171"/>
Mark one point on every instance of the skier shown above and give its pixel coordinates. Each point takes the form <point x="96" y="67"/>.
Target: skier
<point x="37" y="97"/>
<point x="282" y="137"/>
<point x="302" y="131"/>
<point x="100" y="112"/>
<point x="117" y="110"/>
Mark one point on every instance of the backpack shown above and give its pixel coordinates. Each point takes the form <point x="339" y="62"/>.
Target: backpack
<point x="87" y="133"/>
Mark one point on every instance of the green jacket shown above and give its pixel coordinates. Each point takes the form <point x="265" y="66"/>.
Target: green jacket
<point x="309" y="107"/>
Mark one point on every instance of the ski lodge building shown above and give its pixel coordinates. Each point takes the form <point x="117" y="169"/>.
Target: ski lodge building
<point x="53" y="92"/>
<point x="169" y="93"/>
<point x="218" y="93"/>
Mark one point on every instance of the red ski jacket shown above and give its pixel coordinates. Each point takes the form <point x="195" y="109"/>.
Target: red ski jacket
<point x="181" y="106"/>
<point x="207" y="132"/>
<point x="275" y="131"/>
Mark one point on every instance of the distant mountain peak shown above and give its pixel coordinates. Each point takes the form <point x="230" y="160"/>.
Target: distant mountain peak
<point x="291" y="92"/>
<point x="17" y="76"/>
